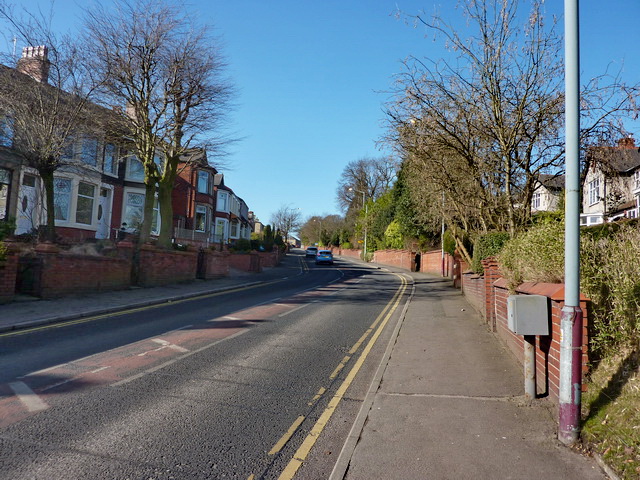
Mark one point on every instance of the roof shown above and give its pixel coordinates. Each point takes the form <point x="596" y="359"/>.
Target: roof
<point x="619" y="160"/>
<point x="552" y="182"/>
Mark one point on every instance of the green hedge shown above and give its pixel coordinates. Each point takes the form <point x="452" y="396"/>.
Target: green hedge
<point x="487" y="245"/>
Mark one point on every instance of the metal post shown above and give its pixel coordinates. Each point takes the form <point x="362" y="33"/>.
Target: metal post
<point x="442" y="236"/>
<point x="571" y="322"/>
<point x="366" y="212"/>
<point x="530" y="367"/>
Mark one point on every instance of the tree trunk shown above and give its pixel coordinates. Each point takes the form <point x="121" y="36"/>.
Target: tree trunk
<point x="50" y="229"/>
<point x="147" y="218"/>
<point x="165" y="190"/>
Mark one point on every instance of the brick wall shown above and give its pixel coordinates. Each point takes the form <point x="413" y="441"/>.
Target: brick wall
<point x="431" y="262"/>
<point x="247" y="262"/>
<point x="345" y="252"/>
<point x="8" y="272"/>
<point x="473" y="286"/>
<point x="215" y="264"/>
<point x="65" y="274"/>
<point x="396" y="258"/>
<point x="269" y="259"/>
<point x="163" y="267"/>
<point x="488" y="293"/>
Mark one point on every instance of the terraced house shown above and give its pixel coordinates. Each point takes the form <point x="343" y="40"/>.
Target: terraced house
<point x="98" y="183"/>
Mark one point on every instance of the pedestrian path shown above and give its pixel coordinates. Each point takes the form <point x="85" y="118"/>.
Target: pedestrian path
<point x="450" y="405"/>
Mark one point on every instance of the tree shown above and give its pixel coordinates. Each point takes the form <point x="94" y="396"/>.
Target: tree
<point x="45" y="100"/>
<point x="373" y="176"/>
<point x="167" y="74"/>
<point x="286" y="220"/>
<point x="481" y="128"/>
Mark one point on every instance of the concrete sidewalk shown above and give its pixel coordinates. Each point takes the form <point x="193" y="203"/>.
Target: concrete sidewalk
<point x="450" y="405"/>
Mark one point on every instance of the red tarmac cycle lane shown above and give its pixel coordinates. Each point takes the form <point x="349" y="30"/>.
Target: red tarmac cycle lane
<point x="42" y="390"/>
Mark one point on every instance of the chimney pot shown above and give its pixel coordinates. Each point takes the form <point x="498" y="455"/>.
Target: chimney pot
<point x="35" y="63"/>
<point x="627" y="142"/>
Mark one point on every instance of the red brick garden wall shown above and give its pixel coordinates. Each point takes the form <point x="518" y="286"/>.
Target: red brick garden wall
<point x="8" y="270"/>
<point x="431" y="262"/>
<point x="163" y="267"/>
<point x="216" y="264"/>
<point x="269" y="259"/>
<point x="396" y="258"/>
<point x="65" y="274"/>
<point x="496" y="293"/>
<point x="247" y="262"/>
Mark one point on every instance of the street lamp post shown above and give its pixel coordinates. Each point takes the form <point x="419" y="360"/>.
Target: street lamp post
<point x="366" y="211"/>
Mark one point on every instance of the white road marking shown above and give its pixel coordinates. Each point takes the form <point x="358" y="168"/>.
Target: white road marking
<point x="28" y="397"/>
<point x="172" y="346"/>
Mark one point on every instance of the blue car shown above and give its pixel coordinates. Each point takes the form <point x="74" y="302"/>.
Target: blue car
<point x="324" y="256"/>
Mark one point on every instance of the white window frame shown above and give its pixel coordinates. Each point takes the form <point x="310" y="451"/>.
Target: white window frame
<point x="594" y="191"/>
<point x="88" y="150"/>
<point x="222" y="202"/>
<point x="204" y="177"/>
<point x="155" y="224"/>
<point x="536" y="201"/>
<point x="234" y="229"/>
<point x="114" y="160"/>
<point x="636" y="180"/>
<point x="92" y="198"/>
<point x="200" y="210"/>
<point x="129" y="175"/>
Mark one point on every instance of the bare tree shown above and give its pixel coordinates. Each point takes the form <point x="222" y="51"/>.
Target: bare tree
<point x="286" y="220"/>
<point x="480" y="129"/>
<point x="45" y="99"/>
<point x="373" y="176"/>
<point x="167" y="74"/>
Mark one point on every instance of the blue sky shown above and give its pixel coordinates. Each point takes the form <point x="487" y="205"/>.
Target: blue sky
<point x="312" y="75"/>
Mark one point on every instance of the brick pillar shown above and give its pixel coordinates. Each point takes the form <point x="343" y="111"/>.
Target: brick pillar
<point x="491" y="274"/>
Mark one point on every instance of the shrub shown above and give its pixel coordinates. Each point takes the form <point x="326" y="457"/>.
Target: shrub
<point x="487" y="245"/>
<point x="534" y="256"/>
<point x="7" y="227"/>
<point x="347" y="245"/>
<point x="610" y="277"/>
<point x="242" y="245"/>
<point x="393" y="236"/>
<point x="3" y="251"/>
<point x="449" y="243"/>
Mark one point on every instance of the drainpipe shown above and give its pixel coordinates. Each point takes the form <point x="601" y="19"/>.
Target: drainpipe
<point x="571" y="322"/>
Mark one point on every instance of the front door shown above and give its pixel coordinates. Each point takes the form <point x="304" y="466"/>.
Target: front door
<point x="104" y="213"/>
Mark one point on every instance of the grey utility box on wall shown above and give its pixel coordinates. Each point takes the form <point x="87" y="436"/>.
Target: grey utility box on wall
<point x="528" y="314"/>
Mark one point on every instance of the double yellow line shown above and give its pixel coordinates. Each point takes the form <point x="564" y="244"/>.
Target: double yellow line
<point x="378" y="325"/>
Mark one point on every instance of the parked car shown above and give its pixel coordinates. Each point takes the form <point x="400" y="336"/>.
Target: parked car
<point x="311" y="251"/>
<point x="324" y="256"/>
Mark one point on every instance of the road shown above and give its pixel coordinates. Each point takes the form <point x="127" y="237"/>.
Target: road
<point x="239" y="384"/>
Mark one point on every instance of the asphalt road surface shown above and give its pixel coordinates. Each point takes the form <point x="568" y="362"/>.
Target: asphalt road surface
<point x="239" y="384"/>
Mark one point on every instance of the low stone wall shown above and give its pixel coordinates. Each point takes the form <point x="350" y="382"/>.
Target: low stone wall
<point x="247" y="262"/>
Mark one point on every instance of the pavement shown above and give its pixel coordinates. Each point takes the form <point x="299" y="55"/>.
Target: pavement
<point x="447" y="401"/>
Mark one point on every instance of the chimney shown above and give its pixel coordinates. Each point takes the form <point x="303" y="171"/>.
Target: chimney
<point x="34" y="62"/>
<point x="627" y="142"/>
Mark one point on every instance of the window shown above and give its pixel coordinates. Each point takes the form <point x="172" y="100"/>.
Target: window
<point x="594" y="191"/>
<point x="61" y="198"/>
<point x="535" y="201"/>
<point x="29" y="180"/>
<point x="89" y="151"/>
<point x="636" y="180"/>
<point x="68" y="149"/>
<point x="234" y="230"/>
<point x="222" y="202"/>
<point x="157" y="159"/>
<point x="133" y="209"/>
<point x="5" y="181"/>
<point x="6" y="131"/>
<point x="135" y="170"/>
<point x="203" y="181"/>
<point x="220" y="229"/>
<point x="110" y="162"/>
<point x="84" y="206"/>
<point x="200" y="223"/>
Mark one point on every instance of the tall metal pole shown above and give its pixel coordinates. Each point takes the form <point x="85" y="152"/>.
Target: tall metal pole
<point x="366" y="212"/>
<point x="571" y="322"/>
